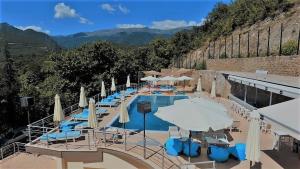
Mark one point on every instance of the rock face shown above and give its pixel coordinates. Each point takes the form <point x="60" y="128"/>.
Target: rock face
<point x="244" y="43"/>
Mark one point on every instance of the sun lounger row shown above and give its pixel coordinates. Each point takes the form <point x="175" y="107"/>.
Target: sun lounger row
<point x="85" y="113"/>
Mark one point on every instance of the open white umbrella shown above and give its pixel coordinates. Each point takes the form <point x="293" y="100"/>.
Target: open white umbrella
<point x="123" y="118"/>
<point x="196" y="114"/>
<point x="253" y="138"/>
<point x="213" y="88"/>
<point x="92" y="118"/>
<point x="82" y="100"/>
<point x="149" y="79"/>
<point x="113" y="85"/>
<point x="199" y="86"/>
<point x="128" y="81"/>
<point x="58" y="112"/>
<point x="103" y="93"/>
<point x="184" y="78"/>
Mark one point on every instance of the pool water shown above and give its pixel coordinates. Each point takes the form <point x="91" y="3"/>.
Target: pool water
<point x="152" y="122"/>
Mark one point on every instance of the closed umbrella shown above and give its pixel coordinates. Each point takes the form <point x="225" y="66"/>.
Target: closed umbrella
<point x="113" y="85"/>
<point x="253" y="138"/>
<point x="82" y="101"/>
<point x="128" y="81"/>
<point x="124" y="118"/>
<point x="213" y="88"/>
<point x="92" y="119"/>
<point x="199" y="86"/>
<point x="58" y="112"/>
<point x="103" y="93"/>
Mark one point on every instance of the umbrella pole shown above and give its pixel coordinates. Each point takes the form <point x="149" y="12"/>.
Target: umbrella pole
<point x="124" y="136"/>
<point x="190" y="137"/>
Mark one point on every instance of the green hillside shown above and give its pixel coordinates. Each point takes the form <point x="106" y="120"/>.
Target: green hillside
<point x="25" y="43"/>
<point x="130" y="36"/>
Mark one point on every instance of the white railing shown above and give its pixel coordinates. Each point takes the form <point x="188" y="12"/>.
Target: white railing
<point x="103" y="138"/>
<point x="48" y="121"/>
<point x="198" y="164"/>
<point x="11" y="149"/>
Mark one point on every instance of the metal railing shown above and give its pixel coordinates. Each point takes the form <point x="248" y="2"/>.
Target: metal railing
<point x="212" y="163"/>
<point x="47" y="122"/>
<point x="11" y="149"/>
<point x="105" y="138"/>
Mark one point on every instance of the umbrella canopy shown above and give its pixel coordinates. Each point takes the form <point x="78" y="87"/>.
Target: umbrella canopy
<point x="128" y="81"/>
<point x="82" y="99"/>
<point x="182" y="78"/>
<point x="196" y="114"/>
<point x="124" y="118"/>
<point x="103" y="93"/>
<point x="168" y="78"/>
<point x="213" y="88"/>
<point x="199" y="86"/>
<point x="92" y="119"/>
<point x="113" y="85"/>
<point x="253" y="138"/>
<point x="149" y="79"/>
<point x="58" y="112"/>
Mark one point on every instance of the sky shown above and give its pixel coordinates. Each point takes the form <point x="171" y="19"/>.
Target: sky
<point x="64" y="17"/>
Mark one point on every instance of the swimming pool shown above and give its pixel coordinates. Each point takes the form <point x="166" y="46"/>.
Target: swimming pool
<point x="152" y="122"/>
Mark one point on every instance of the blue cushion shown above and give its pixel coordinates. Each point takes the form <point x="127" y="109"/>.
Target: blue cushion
<point x="194" y="146"/>
<point x="173" y="146"/>
<point x="218" y="154"/>
<point x="238" y="151"/>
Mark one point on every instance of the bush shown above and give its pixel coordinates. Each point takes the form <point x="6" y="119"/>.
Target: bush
<point x="289" y="48"/>
<point x="201" y="66"/>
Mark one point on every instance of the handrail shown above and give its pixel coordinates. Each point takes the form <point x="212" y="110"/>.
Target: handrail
<point x="199" y="163"/>
<point x="11" y="149"/>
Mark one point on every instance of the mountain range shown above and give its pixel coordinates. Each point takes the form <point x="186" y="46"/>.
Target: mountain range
<point x="128" y="36"/>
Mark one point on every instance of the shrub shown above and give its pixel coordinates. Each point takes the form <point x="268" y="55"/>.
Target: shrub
<point x="201" y="66"/>
<point x="289" y="48"/>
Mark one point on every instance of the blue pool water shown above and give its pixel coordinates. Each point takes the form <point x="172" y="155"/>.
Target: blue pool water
<point x="152" y="122"/>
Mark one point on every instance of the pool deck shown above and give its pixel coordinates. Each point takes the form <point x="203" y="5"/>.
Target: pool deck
<point x="270" y="159"/>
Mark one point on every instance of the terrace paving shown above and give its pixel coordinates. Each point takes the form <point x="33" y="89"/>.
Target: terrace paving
<point x="270" y="159"/>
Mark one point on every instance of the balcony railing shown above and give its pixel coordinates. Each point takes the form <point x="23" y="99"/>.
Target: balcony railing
<point x="11" y="149"/>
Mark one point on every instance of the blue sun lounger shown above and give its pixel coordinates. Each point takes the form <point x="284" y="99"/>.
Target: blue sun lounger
<point x="85" y="114"/>
<point x="130" y="90"/>
<point x="107" y="102"/>
<point x="60" y="136"/>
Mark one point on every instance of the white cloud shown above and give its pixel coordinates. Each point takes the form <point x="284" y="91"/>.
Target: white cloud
<point x="123" y="9"/>
<point x="33" y="27"/>
<point x="65" y="11"/>
<point x="130" y="26"/>
<point x="108" y="7"/>
<point x="172" y="24"/>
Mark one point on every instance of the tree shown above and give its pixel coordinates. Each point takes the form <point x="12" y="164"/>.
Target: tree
<point x="9" y="89"/>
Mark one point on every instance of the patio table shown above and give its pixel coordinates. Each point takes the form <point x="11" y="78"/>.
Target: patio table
<point x="214" y="141"/>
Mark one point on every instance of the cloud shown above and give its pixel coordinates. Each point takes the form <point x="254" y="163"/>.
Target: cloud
<point x="108" y="7"/>
<point x="65" y="11"/>
<point x="33" y="27"/>
<point x="172" y="24"/>
<point x="130" y="26"/>
<point x="123" y="9"/>
<point x="113" y="8"/>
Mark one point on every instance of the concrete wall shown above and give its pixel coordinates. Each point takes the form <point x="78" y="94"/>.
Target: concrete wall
<point x="281" y="65"/>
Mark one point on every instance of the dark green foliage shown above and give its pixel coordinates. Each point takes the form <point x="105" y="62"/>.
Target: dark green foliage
<point x="290" y="47"/>
<point x="201" y="66"/>
<point x="9" y="89"/>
